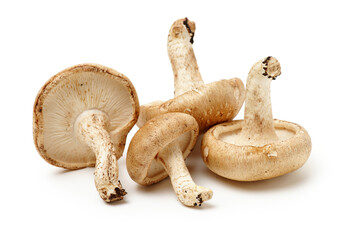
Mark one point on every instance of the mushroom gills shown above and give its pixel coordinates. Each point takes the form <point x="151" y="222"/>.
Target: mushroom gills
<point x="70" y="98"/>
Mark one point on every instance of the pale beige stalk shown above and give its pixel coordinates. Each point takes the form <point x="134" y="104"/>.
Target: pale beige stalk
<point x="182" y="58"/>
<point x="258" y="121"/>
<point x="91" y="128"/>
<point x="188" y="193"/>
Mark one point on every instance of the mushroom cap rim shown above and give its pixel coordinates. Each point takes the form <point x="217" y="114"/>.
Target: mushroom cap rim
<point x="276" y="121"/>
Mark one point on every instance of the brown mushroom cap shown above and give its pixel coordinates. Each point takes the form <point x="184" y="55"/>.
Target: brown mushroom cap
<point x="155" y="135"/>
<point x="225" y="157"/>
<point x="69" y="93"/>
<point x="209" y="104"/>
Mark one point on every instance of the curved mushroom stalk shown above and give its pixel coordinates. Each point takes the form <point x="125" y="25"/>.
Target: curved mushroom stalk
<point x="181" y="54"/>
<point x="91" y="128"/>
<point x="258" y="127"/>
<point x="188" y="193"/>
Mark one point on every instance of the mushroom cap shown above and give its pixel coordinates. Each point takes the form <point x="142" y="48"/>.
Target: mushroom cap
<point x="68" y="94"/>
<point x="150" y="139"/>
<point x="209" y="104"/>
<point x="224" y="157"/>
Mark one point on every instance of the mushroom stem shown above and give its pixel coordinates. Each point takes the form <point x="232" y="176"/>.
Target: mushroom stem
<point x="258" y="128"/>
<point x="181" y="54"/>
<point x="187" y="191"/>
<point x="91" y="127"/>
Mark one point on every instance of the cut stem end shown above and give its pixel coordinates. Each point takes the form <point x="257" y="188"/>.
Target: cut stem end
<point x="111" y="193"/>
<point x="186" y="190"/>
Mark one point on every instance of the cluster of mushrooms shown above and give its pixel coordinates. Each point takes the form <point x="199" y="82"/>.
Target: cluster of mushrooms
<point x="83" y="114"/>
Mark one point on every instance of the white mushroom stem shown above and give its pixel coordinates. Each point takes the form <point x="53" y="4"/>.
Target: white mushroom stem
<point x="186" y="190"/>
<point x="91" y="127"/>
<point x="258" y="126"/>
<point x="181" y="54"/>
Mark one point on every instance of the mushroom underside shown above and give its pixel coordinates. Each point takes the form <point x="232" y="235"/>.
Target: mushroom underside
<point x="64" y="98"/>
<point x="227" y="154"/>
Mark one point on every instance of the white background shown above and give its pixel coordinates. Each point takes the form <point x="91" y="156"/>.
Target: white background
<point x="311" y="39"/>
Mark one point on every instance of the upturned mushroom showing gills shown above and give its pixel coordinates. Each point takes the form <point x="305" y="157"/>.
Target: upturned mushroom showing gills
<point x="208" y="103"/>
<point x="257" y="147"/>
<point x="158" y="149"/>
<point x="81" y="119"/>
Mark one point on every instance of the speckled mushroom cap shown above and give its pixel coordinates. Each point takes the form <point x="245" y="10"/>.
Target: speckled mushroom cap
<point x="209" y="104"/>
<point x="69" y="93"/>
<point x="149" y="140"/>
<point x="225" y="157"/>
